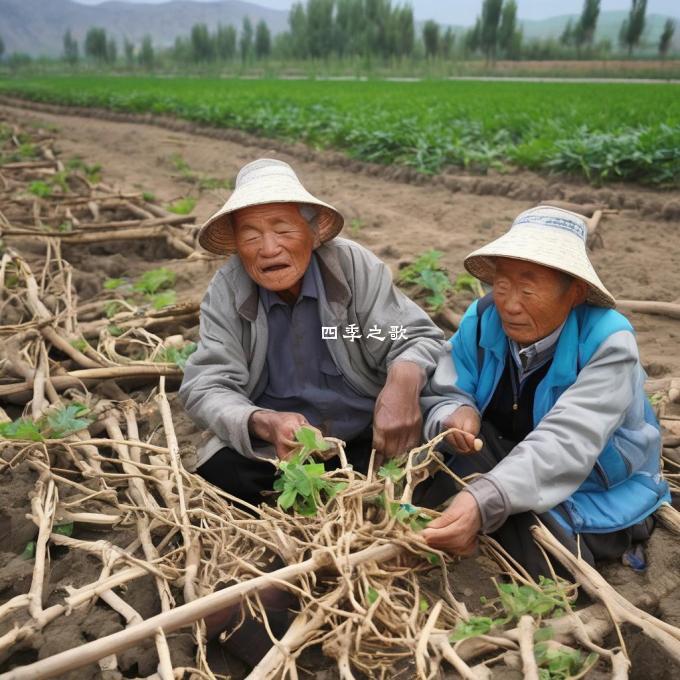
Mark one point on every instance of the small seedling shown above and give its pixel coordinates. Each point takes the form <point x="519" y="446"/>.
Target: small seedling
<point x="301" y="485"/>
<point x="112" y="307"/>
<point x="427" y="272"/>
<point x="355" y="226"/>
<point x="59" y="179"/>
<point x="177" y="356"/>
<point x="91" y="172"/>
<point x="392" y="470"/>
<point x="562" y="663"/>
<point x="468" y="282"/>
<point x="148" y="197"/>
<point x="409" y="515"/>
<point x="55" y="424"/>
<point x="513" y="602"/>
<point x="112" y="284"/>
<point x="164" y="299"/>
<point x="40" y="189"/>
<point x="183" y="206"/>
<point x="80" y="344"/>
<point x="154" y="280"/>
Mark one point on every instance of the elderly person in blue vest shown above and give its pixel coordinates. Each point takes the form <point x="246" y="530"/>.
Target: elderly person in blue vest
<point x="548" y="374"/>
<point x="299" y="327"/>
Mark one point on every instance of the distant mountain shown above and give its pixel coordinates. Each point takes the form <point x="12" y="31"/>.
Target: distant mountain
<point x="37" y="27"/>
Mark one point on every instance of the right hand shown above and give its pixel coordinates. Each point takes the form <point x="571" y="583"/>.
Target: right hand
<point x="467" y="421"/>
<point x="277" y="428"/>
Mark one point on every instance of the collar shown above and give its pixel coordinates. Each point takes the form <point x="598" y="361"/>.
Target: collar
<point x="308" y="289"/>
<point x="529" y="358"/>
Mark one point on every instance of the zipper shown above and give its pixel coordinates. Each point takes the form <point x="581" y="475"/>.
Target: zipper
<point x="515" y="387"/>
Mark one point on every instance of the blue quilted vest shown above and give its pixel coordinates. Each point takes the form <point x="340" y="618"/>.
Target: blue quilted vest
<point x="625" y="485"/>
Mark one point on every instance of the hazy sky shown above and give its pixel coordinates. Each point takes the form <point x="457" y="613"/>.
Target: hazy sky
<point x="465" y="11"/>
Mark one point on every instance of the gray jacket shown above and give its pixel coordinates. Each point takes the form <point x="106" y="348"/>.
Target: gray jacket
<point x="226" y="372"/>
<point x="553" y="461"/>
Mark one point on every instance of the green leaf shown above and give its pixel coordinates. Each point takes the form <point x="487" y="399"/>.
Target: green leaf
<point x="310" y="440"/>
<point x="154" y="280"/>
<point x="475" y="625"/>
<point x="392" y="470"/>
<point x="164" y="299"/>
<point x="40" y="189"/>
<point x="287" y="498"/>
<point x="63" y="529"/>
<point x="67" y="420"/>
<point x="112" y="307"/>
<point x="302" y="485"/>
<point x="543" y="634"/>
<point x="433" y="559"/>
<point x="80" y="344"/>
<point x="423" y="605"/>
<point x="22" y="428"/>
<point x="183" y="206"/>
<point x="419" y="521"/>
<point x="179" y="357"/>
<point x="112" y="284"/>
<point x="115" y="331"/>
<point x="29" y="551"/>
<point x="464" y="282"/>
<point x="372" y="595"/>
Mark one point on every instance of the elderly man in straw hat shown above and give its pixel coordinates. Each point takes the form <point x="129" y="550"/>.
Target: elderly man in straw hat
<point x="549" y="373"/>
<point x="299" y="327"/>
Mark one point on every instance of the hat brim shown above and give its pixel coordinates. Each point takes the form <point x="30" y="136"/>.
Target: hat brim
<point x="217" y="234"/>
<point x="529" y="244"/>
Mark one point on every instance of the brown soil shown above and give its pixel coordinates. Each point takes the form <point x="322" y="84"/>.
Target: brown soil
<point x="393" y="211"/>
<point x="398" y="215"/>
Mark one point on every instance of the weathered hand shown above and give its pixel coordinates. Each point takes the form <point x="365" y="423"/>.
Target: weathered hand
<point x="397" y="419"/>
<point x="277" y="428"/>
<point x="456" y="530"/>
<point x="466" y="420"/>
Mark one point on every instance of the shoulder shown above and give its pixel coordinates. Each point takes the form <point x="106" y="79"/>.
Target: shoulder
<point x="596" y="324"/>
<point x="347" y="252"/>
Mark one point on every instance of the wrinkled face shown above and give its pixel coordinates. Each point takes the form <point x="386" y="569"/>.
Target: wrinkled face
<point x="275" y="244"/>
<point x="533" y="300"/>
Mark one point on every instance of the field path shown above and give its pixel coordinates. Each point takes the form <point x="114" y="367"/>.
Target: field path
<point x="397" y="219"/>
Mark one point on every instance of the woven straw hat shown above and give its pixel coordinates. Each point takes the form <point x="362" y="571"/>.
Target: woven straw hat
<point x="265" y="181"/>
<point x="549" y="236"/>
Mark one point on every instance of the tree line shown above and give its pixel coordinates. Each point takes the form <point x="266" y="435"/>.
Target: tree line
<point x="321" y="29"/>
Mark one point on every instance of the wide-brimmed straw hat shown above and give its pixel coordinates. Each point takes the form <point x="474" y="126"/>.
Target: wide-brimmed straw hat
<point x="265" y="181"/>
<point x="549" y="236"/>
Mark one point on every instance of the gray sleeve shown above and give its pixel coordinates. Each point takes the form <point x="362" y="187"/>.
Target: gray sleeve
<point x="441" y="397"/>
<point x="213" y="388"/>
<point x="544" y="469"/>
<point x="380" y="303"/>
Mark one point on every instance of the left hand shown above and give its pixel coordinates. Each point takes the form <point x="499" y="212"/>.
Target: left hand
<point x="456" y="530"/>
<point x="397" y="419"/>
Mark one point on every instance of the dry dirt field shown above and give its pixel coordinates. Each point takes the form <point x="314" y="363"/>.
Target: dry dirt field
<point x="398" y="216"/>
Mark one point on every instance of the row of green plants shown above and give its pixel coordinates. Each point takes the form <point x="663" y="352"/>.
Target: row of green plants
<point x="599" y="131"/>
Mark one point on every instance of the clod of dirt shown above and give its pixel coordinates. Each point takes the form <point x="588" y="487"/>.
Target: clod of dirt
<point x="671" y="210"/>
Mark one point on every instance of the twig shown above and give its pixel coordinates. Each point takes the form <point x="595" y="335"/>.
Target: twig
<point x="526" y="647"/>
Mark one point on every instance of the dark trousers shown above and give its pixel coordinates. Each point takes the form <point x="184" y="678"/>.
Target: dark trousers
<point x="514" y="535"/>
<point x="247" y="479"/>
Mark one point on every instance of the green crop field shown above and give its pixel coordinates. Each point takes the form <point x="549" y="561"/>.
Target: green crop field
<point x="602" y="131"/>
